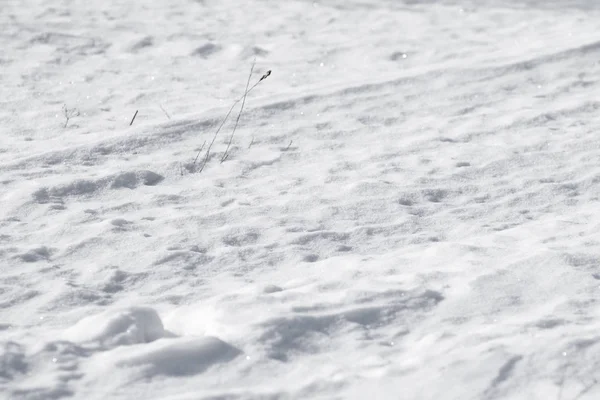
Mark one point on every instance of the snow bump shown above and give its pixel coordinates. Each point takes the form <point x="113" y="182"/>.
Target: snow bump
<point x="114" y="328"/>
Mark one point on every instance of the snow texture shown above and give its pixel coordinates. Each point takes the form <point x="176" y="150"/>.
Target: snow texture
<point x="408" y="208"/>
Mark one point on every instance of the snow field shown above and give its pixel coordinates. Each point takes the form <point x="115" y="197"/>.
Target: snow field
<point x="409" y="209"/>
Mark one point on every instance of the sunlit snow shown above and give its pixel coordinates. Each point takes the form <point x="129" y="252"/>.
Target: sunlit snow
<point x="408" y="207"/>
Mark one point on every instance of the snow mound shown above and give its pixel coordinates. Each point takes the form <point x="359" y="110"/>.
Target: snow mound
<point x="173" y="357"/>
<point x="119" y="327"/>
<point x="112" y="350"/>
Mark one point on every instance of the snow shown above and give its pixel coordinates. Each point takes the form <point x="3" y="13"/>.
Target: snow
<point x="408" y="208"/>
<point x="118" y="328"/>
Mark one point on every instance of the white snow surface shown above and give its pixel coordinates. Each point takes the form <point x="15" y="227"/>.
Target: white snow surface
<point x="409" y="208"/>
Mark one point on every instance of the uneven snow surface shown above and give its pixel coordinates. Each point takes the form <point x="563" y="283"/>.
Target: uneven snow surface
<point x="409" y="209"/>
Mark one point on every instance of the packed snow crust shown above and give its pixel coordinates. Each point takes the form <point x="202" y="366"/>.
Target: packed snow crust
<point x="408" y="210"/>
